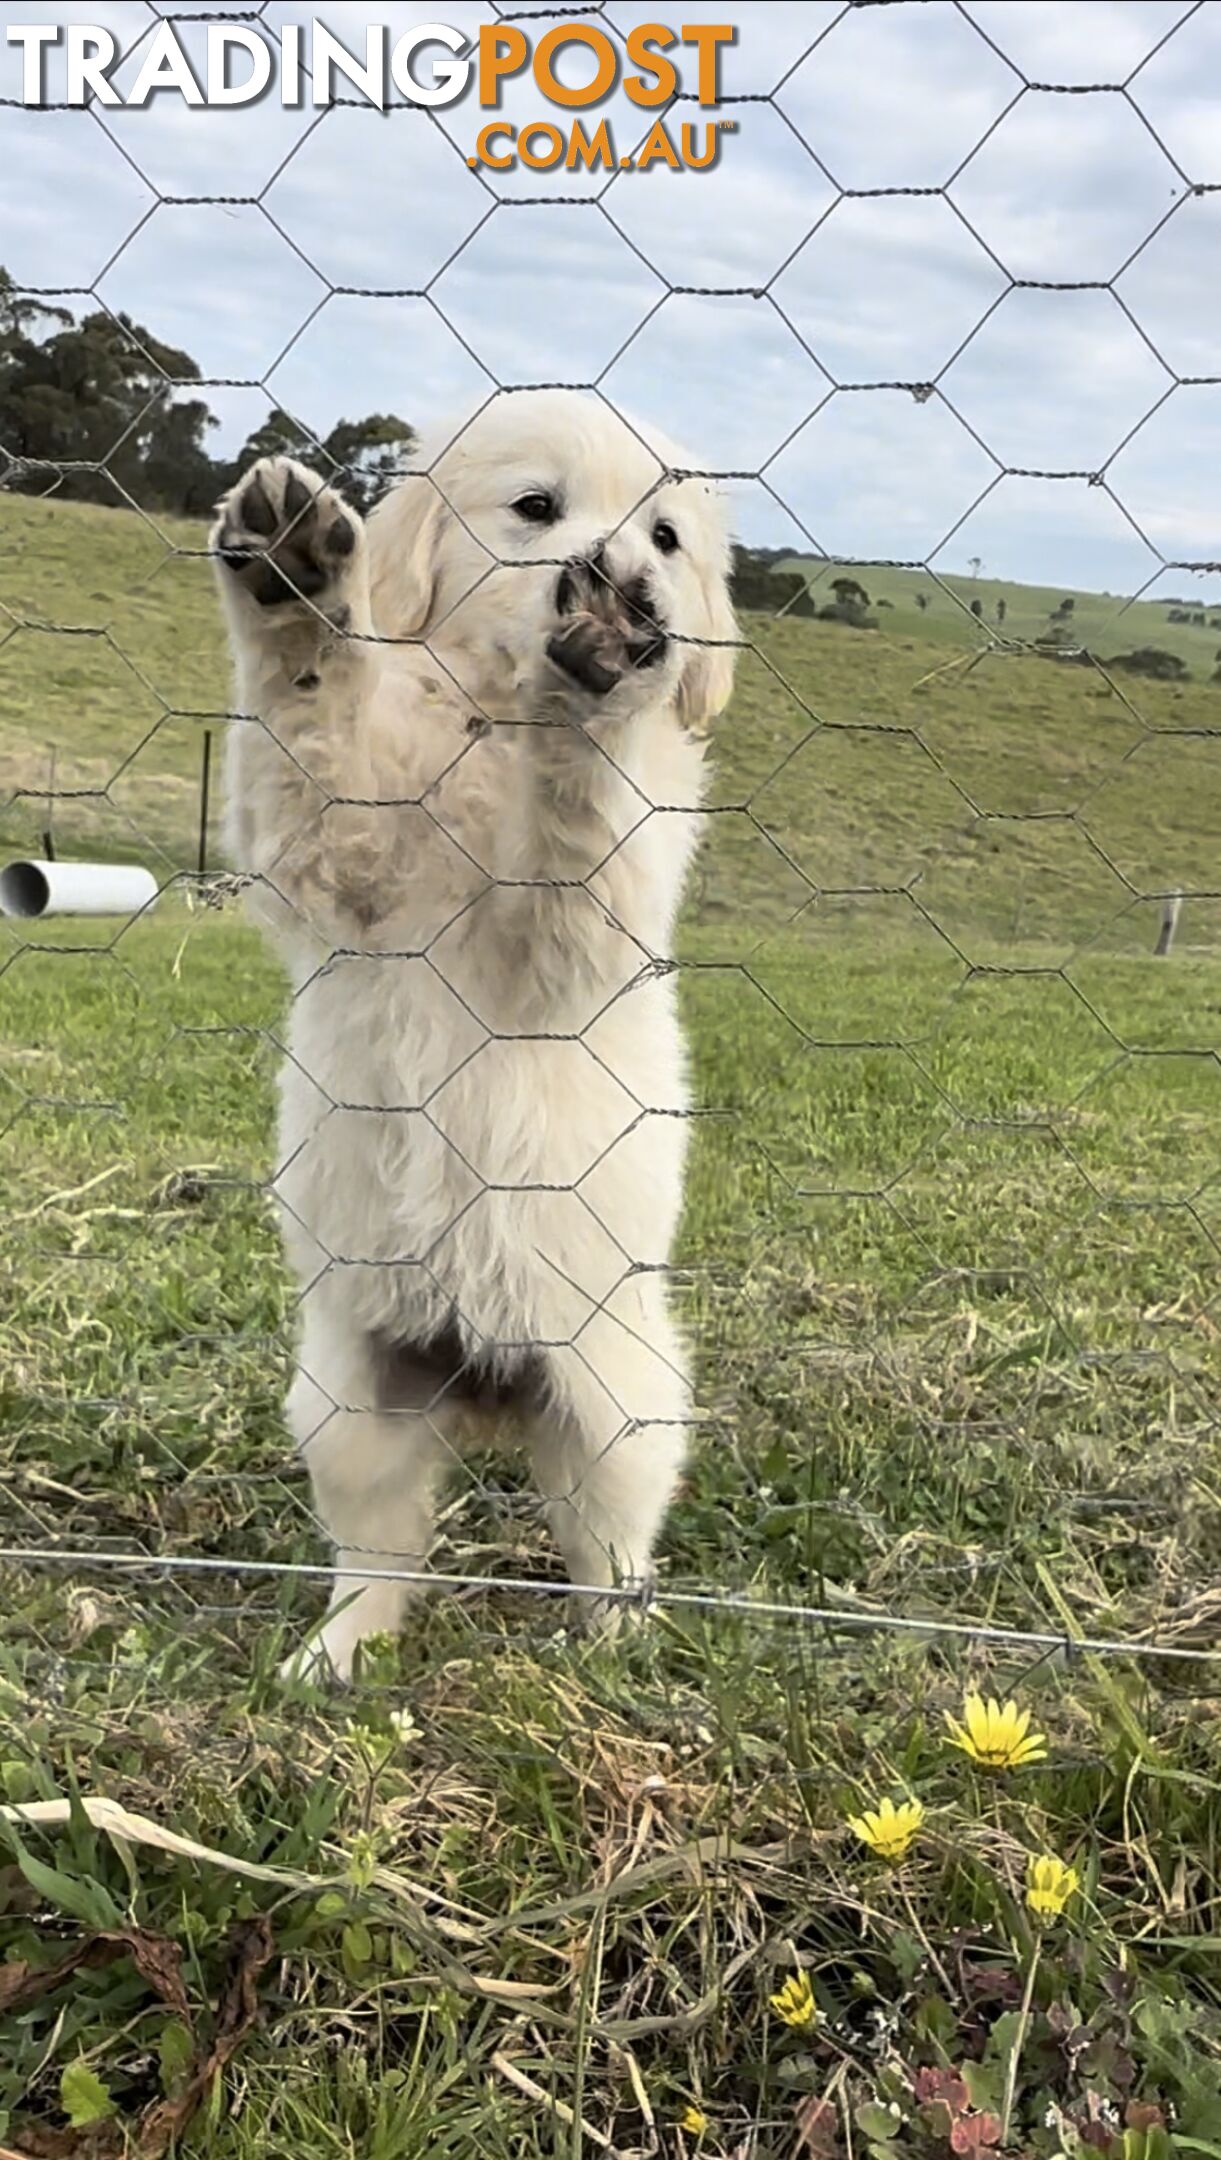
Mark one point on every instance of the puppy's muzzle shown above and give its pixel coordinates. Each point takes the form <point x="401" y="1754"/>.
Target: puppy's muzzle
<point x="606" y="628"/>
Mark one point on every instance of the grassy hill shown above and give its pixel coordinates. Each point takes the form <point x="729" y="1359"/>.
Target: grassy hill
<point x="111" y="666"/>
<point x="1107" y="623"/>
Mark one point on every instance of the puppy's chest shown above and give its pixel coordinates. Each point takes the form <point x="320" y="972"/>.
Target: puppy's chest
<point x="421" y="1084"/>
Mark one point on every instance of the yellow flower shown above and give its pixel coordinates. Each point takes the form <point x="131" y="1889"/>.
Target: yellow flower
<point x="694" y="2121"/>
<point x="888" y="1830"/>
<point x="794" y="2003"/>
<point x="1049" y="1885"/>
<point x="997" y="1737"/>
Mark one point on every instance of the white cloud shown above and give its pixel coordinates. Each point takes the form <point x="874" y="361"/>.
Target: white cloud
<point x="1167" y="476"/>
<point x="379" y="200"/>
<point x="1104" y="41"/>
<point x="1178" y="90"/>
<point x="887" y="289"/>
<point x="723" y="377"/>
<point x="1067" y="188"/>
<point x="1053" y="381"/>
<point x="877" y="472"/>
<point x="391" y="356"/>
<point x="1171" y="293"/>
<point x="898" y="96"/>
<point x="77" y="202"/>
<point x="547" y="294"/>
<point x="216" y="280"/>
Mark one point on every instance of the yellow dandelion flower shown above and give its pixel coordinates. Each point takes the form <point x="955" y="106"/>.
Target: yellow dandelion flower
<point x="996" y="1735"/>
<point x="888" y="1830"/>
<point x="794" y="2003"/>
<point x="694" y="2121"/>
<point x="1049" y="1885"/>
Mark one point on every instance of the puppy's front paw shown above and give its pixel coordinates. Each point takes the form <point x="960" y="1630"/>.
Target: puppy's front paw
<point x="358" y="1611"/>
<point x="605" y="632"/>
<point x="284" y="536"/>
<point x="325" y="1659"/>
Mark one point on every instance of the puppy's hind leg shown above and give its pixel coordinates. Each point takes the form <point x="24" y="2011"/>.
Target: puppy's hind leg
<point x="377" y="1455"/>
<point x="609" y="1455"/>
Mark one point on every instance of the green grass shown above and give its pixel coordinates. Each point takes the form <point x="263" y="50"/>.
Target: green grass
<point x="950" y="1259"/>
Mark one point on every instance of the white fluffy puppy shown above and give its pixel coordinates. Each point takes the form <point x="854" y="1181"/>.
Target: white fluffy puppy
<point x="465" y="777"/>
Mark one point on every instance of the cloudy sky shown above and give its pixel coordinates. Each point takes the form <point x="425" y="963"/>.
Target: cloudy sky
<point x="1058" y="284"/>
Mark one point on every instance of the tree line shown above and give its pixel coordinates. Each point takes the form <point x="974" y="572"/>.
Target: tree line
<point x="109" y="407"/>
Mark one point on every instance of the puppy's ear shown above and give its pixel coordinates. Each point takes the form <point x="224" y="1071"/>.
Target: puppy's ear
<point x="404" y="555"/>
<point x="707" y="678"/>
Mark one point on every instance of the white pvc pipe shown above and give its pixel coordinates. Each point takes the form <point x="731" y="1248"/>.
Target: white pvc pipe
<point x="75" y="888"/>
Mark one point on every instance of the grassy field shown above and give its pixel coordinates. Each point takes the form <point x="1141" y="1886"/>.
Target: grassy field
<point x="950" y="1261"/>
<point x="1108" y="623"/>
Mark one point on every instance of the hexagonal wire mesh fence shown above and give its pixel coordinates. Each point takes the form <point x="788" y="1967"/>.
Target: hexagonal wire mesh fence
<point x="917" y="1229"/>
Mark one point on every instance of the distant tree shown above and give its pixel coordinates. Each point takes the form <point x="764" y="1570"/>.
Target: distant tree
<point x="1064" y="611"/>
<point x="101" y="400"/>
<point x="177" y="472"/>
<point x="754" y="584"/>
<point x="363" y="457"/>
<point x="112" y="409"/>
<point x="23" y="317"/>
<point x="975" y="565"/>
<point x="370" y="455"/>
<point x="849" y="592"/>
<point x="1153" y="661"/>
<point x="1000" y="607"/>
<point x="921" y="601"/>
<point x="854" y="613"/>
<point x="977" y="610"/>
<point x="279" y="435"/>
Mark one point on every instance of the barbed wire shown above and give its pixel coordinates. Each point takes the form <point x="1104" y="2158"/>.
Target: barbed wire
<point x="44" y="1551"/>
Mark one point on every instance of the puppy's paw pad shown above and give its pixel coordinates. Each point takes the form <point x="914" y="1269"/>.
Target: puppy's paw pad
<point x="604" y="631"/>
<point x="591" y="653"/>
<point x="286" y="536"/>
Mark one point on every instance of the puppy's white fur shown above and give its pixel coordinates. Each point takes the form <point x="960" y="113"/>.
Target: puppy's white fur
<point x="472" y="867"/>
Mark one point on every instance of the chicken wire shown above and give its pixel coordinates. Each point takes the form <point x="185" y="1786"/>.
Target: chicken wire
<point x="36" y="1539"/>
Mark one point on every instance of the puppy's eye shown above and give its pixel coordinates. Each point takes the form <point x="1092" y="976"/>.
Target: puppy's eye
<point x="539" y="507"/>
<point x="665" y="539"/>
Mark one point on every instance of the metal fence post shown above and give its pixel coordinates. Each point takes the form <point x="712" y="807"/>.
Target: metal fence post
<point x="204" y="784"/>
